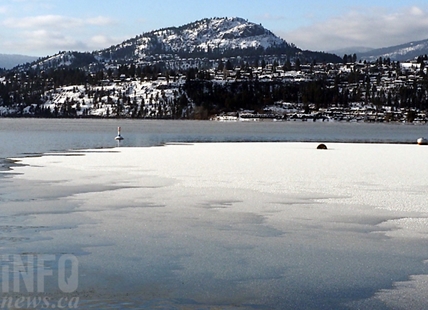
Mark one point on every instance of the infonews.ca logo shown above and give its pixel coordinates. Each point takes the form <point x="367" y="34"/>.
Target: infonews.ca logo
<point x="25" y="279"/>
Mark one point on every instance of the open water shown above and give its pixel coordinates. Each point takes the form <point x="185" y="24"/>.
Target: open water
<point x="21" y="137"/>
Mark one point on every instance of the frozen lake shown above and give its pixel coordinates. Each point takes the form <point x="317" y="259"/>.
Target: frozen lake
<point x="230" y="225"/>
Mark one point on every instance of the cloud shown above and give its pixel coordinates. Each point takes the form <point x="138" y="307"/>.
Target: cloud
<point x="369" y="27"/>
<point x="39" y="40"/>
<point x="45" y="21"/>
<point x="39" y="34"/>
<point x="3" y="9"/>
<point x="55" y="21"/>
<point x="101" y="41"/>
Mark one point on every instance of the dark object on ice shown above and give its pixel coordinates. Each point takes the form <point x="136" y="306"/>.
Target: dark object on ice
<point x="422" y="141"/>
<point x="321" y="147"/>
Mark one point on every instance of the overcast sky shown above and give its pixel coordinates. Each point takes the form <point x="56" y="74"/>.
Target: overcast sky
<point x="44" y="27"/>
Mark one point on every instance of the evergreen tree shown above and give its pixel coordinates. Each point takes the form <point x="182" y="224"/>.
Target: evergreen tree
<point x="297" y="65"/>
<point x="287" y="65"/>
<point x="220" y="66"/>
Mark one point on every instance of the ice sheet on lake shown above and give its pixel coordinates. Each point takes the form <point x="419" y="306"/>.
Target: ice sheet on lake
<point x="229" y="224"/>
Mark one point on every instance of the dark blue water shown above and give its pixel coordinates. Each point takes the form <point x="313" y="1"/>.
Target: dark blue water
<point x="20" y="137"/>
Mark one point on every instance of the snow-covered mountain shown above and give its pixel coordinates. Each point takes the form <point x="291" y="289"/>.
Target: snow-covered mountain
<point x="210" y="38"/>
<point x="401" y="52"/>
<point x="205" y="36"/>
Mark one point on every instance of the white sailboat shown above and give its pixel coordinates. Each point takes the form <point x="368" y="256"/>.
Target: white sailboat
<point x="119" y="136"/>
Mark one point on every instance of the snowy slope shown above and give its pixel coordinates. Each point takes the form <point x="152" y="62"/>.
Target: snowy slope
<point x="224" y="33"/>
<point x="128" y="98"/>
<point x="401" y="52"/>
<point x="67" y="59"/>
<point x="204" y="36"/>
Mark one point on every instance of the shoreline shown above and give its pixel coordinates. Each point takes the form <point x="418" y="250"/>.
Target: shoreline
<point x="226" y="119"/>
